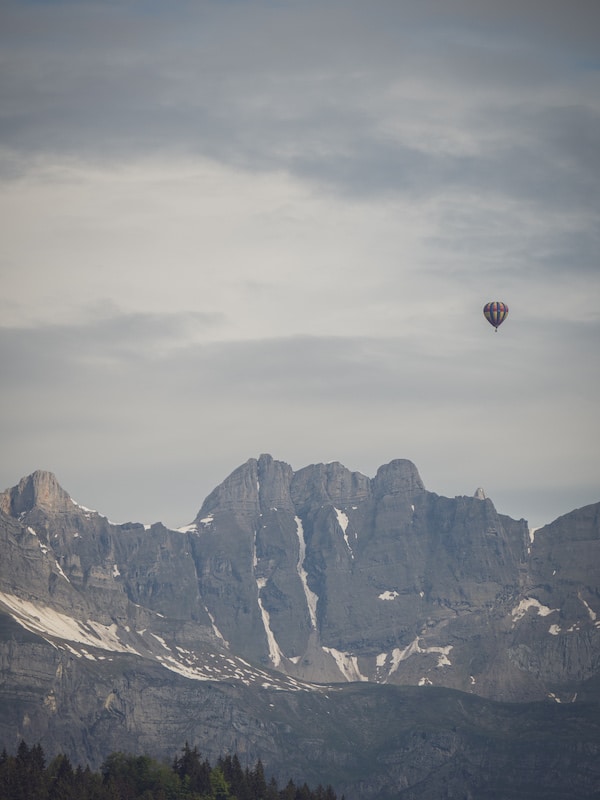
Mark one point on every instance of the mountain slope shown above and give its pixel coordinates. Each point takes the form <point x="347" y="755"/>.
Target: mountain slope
<point x="289" y="621"/>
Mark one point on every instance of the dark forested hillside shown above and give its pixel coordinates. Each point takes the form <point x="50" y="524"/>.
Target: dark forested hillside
<point x="26" y="776"/>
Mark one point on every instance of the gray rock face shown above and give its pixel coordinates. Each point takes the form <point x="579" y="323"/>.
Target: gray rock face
<point x="328" y="575"/>
<point x="39" y="490"/>
<point x="399" y="477"/>
<point x="285" y="583"/>
<point x="562" y="578"/>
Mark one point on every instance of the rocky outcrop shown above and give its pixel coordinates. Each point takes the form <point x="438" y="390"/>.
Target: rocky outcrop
<point x="399" y="477"/>
<point x="39" y="490"/>
<point x="328" y="483"/>
<point x="558" y="619"/>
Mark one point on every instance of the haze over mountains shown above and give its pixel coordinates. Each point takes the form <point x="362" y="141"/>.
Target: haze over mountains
<point x="295" y="617"/>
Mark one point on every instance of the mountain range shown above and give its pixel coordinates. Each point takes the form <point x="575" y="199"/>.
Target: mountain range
<point x="361" y="632"/>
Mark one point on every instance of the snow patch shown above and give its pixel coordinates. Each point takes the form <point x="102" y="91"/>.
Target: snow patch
<point x="275" y="653"/>
<point x="399" y="655"/>
<point x="83" y="639"/>
<point x="188" y="671"/>
<point x="342" y="519"/>
<point x="414" y="647"/>
<point x="590" y="611"/>
<point x="347" y="664"/>
<point x="45" y="621"/>
<point x="532" y="534"/>
<point x="60" y="571"/>
<point x="530" y="602"/>
<point x="192" y="528"/>
<point x="389" y="595"/>
<point x="343" y="523"/>
<point x="161" y="640"/>
<point x="87" y="655"/>
<point x="554" y="630"/>
<point x="86" y="511"/>
<point x="311" y="598"/>
<point x="216" y="631"/>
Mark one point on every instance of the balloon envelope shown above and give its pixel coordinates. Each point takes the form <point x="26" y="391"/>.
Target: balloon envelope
<point x="495" y="313"/>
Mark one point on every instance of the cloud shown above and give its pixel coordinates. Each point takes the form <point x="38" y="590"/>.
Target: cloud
<point x="113" y="338"/>
<point x="257" y="84"/>
<point x="233" y="228"/>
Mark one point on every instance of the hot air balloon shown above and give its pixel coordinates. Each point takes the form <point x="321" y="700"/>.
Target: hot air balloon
<point x="495" y="313"/>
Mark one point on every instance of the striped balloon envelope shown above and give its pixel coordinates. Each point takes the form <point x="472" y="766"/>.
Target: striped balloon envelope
<point x="495" y="313"/>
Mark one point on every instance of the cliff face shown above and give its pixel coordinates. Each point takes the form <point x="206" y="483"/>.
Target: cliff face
<point x="328" y="575"/>
<point x="117" y="636"/>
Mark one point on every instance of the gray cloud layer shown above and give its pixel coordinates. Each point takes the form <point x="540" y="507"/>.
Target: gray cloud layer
<point x="131" y="390"/>
<point x="232" y="228"/>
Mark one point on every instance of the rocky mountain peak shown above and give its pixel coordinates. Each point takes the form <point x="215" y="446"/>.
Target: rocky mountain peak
<point x="274" y="481"/>
<point x="289" y="583"/>
<point x="38" y="490"/>
<point x="400" y="476"/>
<point x="239" y="492"/>
<point x="264" y="483"/>
<point x="329" y="483"/>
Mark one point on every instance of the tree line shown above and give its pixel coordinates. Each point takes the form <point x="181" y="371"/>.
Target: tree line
<point x="27" y="776"/>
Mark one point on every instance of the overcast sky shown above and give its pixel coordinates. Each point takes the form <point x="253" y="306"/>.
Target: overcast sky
<point x="233" y="228"/>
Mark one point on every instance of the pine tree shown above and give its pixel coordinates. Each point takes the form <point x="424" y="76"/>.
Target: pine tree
<point x="289" y="793"/>
<point x="303" y="793"/>
<point x="218" y="785"/>
<point x="258" y="784"/>
<point x="126" y="777"/>
<point x="193" y="773"/>
<point x="30" y="775"/>
<point x="61" y="779"/>
<point x="272" y="790"/>
<point x="235" y="777"/>
<point x="8" y="777"/>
